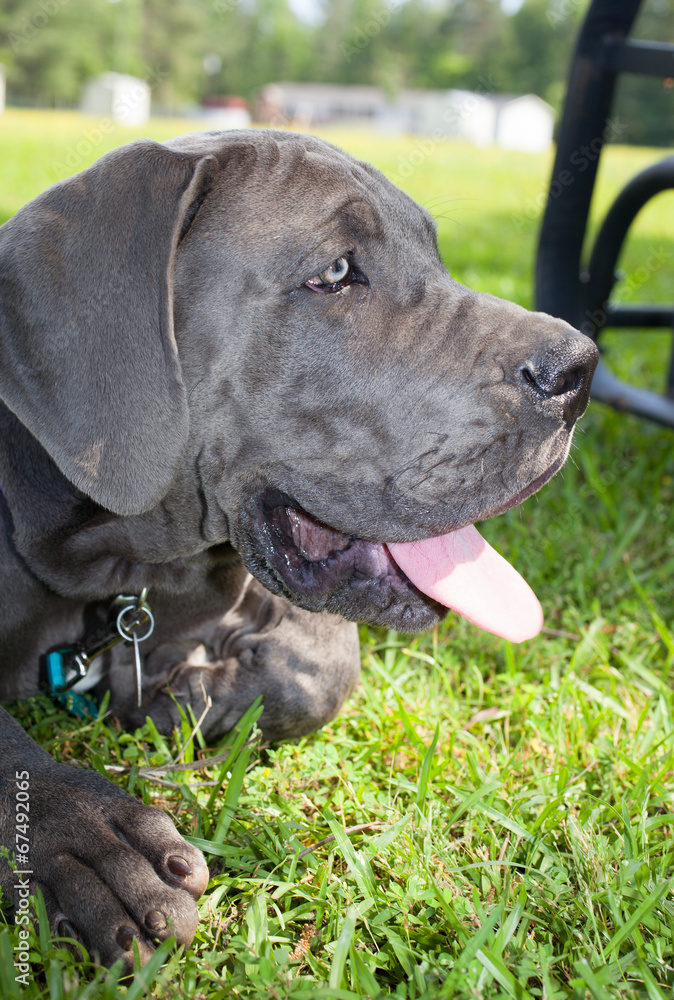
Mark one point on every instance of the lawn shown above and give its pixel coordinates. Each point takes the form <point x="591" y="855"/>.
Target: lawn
<point x="483" y="819"/>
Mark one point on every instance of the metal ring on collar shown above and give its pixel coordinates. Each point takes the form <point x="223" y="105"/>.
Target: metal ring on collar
<point x="130" y="635"/>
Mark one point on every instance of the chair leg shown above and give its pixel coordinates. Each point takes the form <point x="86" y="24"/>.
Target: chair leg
<point x="669" y="392"/>
<point x="611" y="390"/>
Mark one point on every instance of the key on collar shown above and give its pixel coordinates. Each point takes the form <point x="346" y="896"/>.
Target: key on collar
<point x="129" y="616"/>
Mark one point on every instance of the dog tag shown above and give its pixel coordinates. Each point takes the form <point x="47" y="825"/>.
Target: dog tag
<point x="129" y="620"/>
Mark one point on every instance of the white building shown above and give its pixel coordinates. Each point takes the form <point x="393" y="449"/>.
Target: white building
<point x="460" y="114"/>
<point x="482" y="119"/>
<point x="308" y="105"/>
<point x="525" y="123"/>
<point x="511" y="122"/>
<point x="125" y="99"/>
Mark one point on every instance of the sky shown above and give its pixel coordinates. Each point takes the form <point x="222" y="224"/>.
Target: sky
<point x="309" y="10"/>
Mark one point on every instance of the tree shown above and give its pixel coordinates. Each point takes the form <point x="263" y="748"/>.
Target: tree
<point x="536" y="49"/>
<point x="646" y="104"/>
<point x="51" y="47"/>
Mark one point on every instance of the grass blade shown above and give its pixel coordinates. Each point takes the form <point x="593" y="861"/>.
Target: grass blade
<point x="342" y="949"/>
<point x="426" y="769"/>
<point x="638" y="916"/>
<point x="497" y="969"/>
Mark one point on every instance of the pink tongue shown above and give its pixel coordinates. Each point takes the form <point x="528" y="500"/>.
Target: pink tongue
<point x="462" y="571"/>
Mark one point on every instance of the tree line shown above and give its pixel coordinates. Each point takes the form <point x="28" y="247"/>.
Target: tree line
<point x="192" y="49"/>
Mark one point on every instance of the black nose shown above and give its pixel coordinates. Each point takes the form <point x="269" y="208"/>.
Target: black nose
<point x="559" y="378"/>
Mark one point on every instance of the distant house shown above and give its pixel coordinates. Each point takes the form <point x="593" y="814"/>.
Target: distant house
<point x="460" y="114"/>
<point x="225" y="112"/>
<point x="525" y="123"/>
<point x="311" y="104"/>
<point x="125" y="99"/>
<point x="511" y="122"/>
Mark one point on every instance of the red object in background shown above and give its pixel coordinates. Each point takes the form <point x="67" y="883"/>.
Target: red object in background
<point x="224" y="101"/>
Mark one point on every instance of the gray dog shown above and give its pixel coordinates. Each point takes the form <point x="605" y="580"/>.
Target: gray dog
<point x="235" y="372"/>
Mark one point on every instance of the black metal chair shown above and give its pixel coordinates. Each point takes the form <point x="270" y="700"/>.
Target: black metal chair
<point x="564" y="288"/>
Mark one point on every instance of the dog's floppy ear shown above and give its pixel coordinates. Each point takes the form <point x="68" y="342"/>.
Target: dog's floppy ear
<point x="88" y="359"/>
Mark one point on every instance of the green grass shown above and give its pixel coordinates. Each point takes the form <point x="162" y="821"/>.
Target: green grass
<point x="486" y="820"/>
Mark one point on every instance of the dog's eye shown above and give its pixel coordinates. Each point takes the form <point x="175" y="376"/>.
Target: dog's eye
<point x="337" y="271"/>
<point x="333" y="278"/>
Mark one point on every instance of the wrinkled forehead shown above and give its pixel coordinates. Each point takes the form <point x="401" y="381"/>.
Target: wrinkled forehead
<point x="286" y="183"/>
<point x="339" y="193"/>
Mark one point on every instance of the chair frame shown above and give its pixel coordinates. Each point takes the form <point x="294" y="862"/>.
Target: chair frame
<point x="563" y="287"/>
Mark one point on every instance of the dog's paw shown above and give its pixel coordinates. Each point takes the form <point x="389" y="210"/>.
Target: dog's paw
<point x="111" y="869"/>
<point x="303" y="664"/>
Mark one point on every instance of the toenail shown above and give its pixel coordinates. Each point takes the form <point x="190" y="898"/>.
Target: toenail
<point x="65" y="929"/>
<point x="125" y="936"/>
<point x="178" y="866"/>
<point x="155" y="921"/>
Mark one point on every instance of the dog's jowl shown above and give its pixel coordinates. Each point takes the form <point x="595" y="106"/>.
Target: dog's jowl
<point x="238" y="388"/>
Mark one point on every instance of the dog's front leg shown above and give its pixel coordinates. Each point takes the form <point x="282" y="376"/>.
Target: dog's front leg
<point x="110" y="868"/>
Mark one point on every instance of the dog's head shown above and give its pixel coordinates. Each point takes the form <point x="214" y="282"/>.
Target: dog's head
<point x="263" y="325"/>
